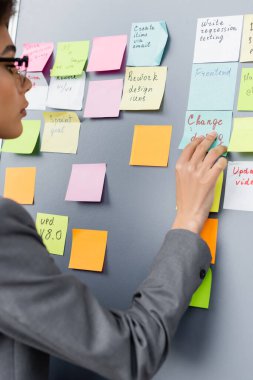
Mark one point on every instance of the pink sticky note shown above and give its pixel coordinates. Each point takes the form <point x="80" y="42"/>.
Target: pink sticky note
<point x="103" y="98"/>
<point x="107" y="53"/>
<point x="38" y="54"/>
<point x="86" y="182"/>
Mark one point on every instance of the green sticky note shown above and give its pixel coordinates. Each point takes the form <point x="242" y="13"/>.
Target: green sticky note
<point x="53" y="231"/>
<point x="25" y="143"/>
<point x="242" y="135"/>
<point x="202" y="295"/>
<point x="245" y="99"/>
<point x="70" y="58"/>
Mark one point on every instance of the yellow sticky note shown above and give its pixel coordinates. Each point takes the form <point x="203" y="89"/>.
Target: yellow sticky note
<point x="25" y="143"/>
<point x="20" y="184"/>
<point x="61" y="132"/>
<point x="88" y="249"/>
<point x="242" y="136"/>
<point x="209" y="234"/>
<point x="201" y="298"/>
<point x="143" y="88"/>
<point x="217" y="194"/>
<point x="247" y="39"/>
<point x="151" y="145"/>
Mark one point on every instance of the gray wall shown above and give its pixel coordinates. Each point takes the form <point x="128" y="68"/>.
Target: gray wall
<point x="138" y="204"/>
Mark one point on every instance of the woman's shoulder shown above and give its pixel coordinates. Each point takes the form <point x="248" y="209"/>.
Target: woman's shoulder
<point x="12" y="210"/>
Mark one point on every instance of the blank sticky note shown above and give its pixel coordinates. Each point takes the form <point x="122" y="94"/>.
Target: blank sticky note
<point x="107" y="53"/>
<point x="217" y="194"/>
<point x="143" y="88"/>
<point x="70" y="58"/>
<point x="38" y="54"/>
<point x="20" y="184"/>
<point x="209" y="234"/>
<point x="61" y="132"/>
<point x="245" y="99"/>
<point x="88" y="249"/>
<point x="103" y="98"/>
<point x="201" y="298"/>
<point x="151" y="145"/>
<point x="86" y="182"/>
<point x="242" y="135"/>
<point x="25" y="143"/>
<point x="213" y="86"/>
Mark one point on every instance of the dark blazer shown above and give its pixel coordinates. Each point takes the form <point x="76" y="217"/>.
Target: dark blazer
<point x="45" y="311"/>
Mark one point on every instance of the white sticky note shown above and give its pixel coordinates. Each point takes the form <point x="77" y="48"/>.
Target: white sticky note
<point x="66" y="92"/>
<point x="239" y="186"/>
<point x="37" y="96"/>
<point x="218" y="39"/>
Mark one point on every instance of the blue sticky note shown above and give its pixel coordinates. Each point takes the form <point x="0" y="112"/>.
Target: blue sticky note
<point x="213" y="86"/>
<point x="147" y="43"/>
<point x="200" y="123"/>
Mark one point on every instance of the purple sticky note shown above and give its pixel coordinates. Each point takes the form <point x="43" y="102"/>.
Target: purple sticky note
<point x="103" y="98"/>
<point x="107" y="53"/>
<point x="86" y="182"/>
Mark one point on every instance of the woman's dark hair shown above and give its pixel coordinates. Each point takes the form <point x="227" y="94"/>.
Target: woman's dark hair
<point x="7" y="8"/>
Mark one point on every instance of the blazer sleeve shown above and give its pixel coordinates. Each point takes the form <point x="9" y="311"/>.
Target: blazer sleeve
<point x="56" y="313"/>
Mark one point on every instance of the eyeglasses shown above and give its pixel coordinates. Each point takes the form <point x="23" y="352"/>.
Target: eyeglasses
<point x="20" y="65"/>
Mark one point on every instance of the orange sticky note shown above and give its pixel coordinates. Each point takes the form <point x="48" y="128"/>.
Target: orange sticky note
<point x="20" y="185"/>
<point x="88" y="249"/>
<point x="151" y="145"/>
<point x="209" y="234"/>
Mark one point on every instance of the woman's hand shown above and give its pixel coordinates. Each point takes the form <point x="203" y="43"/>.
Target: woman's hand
<point x="196" y="174"/>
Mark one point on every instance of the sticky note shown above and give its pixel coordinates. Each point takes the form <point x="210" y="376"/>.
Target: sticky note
<point x="103" y="98"/>
<point x="239" y="186"/>
<point x="147" y="43"/>
<point x="143" y="88"/>
<point x="66" y="92"/>
<point x="213" y="86"/>
<point x="209" y="234"/>
<point x="53" y="230"/>
<point x="201" y="298"/>
<point x="245" y="99"/>
<point x="217" y="194"/>
<point x="242" y="136"/>
<point x="37" y="95"/>
<point x="218" y="39"/>
<point x="200" y="123"/>
<point x="70" y="58"/>
<point x="20" y="184"/>
<point x="107" y="53"/>
<point x="25" y="143"/>
<point x="247" y="39"/>
<point x="86" y="182"/>
<point x="61" y="132"/>
<point x="151" y="145"/>
<point x="88" y="249"/>
<point x="38" y="53"/>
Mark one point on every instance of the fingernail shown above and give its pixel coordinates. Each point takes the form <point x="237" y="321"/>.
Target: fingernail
<point x="213" y="133"/>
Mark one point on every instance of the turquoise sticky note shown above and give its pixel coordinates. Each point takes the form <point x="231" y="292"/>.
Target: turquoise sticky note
<point x="201" y="298"/>
<point x="200" y="123"/>
<point x="213" y="86"/>
<point x="147" y="43"/>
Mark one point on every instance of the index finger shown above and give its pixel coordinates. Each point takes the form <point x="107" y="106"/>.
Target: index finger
<point x="190" y="148"/>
